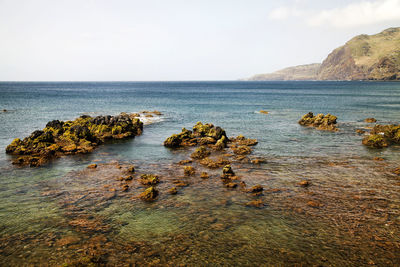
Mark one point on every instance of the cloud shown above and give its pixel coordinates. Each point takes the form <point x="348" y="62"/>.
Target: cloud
<point x="358" y="14"/>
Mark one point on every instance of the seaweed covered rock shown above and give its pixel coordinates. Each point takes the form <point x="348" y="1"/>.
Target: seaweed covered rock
<point x="227" y="172"/>
<point x="320" y="122"/>
<point x="184" y="138"/>
<point x="213" y="164"/>
<point x="240" y="140"/>
<point x="382" y="136"/>
<point x="202" y="134"/>
<point x="149" y="179"/>
<point x="149" y="194"/>
<point x="241" y="150"/>
<point x="370" y="120"/>
<point x="72" y="137"/>
<point x="200" y="153"/>
<point x="189" y="171"/>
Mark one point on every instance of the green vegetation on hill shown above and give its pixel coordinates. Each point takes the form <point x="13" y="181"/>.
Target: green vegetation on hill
<point x="365" y="57"/>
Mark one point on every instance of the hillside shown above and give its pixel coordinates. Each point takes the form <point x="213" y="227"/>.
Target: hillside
<point x="302" y="72"/>
<point x="365" y="57"/>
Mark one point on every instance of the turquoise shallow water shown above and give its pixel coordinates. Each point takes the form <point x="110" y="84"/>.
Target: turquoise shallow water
<point x="187" y="229"/>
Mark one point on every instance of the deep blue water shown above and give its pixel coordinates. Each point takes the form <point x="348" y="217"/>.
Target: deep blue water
<point x="234" y="106"/>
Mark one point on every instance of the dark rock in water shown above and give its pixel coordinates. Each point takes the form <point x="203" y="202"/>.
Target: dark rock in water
<point x="203" y="134"/>
<point x="256" y="189"/>
<point x="131" y="169"/>
<point x="382" y="136"/>
<point x="370" y="120"/>
<point x="71" y="137"/>
<point x="149" y="194"/>
<point x="241" y="150"/>
<point x="243" y="141"/>
<point x="204" y="175"/>
<point x="149" y="179"/>
<point x="231" y="185"/>
<point x="5" y="110"/>
<point x="92" y="166"/>
<point x="189" y="170"/>
<point x="375" y="140"/>
<point x="186" y="161"/>
<point x="200" y="153"/>
<point x="173" y="191"/>
<point x="184" y="138"/>
<point x="320" y="122"/>
<point x="304" y="183"/>
<point x="227" y="170"/>
<point x="220" y="162"/>
<point x="359" y="131"/>
<point x="255" y="203"/>
<point x="228" y="174"/>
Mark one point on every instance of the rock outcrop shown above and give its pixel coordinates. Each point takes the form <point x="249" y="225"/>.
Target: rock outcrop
<point x="202" y="134"/>
<point x="382" y="136"/>
<point x="72" y="137"/>
<point x="320" y="122"/>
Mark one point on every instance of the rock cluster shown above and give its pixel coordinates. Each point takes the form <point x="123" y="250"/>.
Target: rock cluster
<point x="382" y="136"/>
<point x="72" y="137"/>
<point x="320" y="122"/>
<point x="202" y="134"/>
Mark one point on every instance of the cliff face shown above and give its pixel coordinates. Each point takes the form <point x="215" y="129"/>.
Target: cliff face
<point x="365" y="57"/>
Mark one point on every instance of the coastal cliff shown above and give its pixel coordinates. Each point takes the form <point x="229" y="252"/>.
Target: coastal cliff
<point x="364" y="57"/>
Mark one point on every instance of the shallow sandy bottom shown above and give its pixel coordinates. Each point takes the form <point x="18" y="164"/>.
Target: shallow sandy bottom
<point x="348" y="215"/>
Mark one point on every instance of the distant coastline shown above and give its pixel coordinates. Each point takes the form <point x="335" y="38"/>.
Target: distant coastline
<point x="364" y="57"/>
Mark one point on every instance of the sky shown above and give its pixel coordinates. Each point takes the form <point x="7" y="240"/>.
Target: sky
<point x="159" y="40"/>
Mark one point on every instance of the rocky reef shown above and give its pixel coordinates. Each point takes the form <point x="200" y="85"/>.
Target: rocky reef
<point x="320" y="122"/>
<point x="79" y="136"/>
<point x="202" y="134"/>
<point x="382" y="136"/>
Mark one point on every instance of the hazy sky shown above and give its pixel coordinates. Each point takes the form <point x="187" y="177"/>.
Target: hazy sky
<point x="47" y="40"/>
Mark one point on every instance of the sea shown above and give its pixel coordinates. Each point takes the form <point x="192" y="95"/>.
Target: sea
<point x="62" y="214"/>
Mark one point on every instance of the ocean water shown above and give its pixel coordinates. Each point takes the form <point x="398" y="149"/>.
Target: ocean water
<point x="357" y="222"/>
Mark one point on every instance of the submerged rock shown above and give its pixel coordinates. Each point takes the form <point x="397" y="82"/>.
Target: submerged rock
<point x="359" y="131"/>
<point x="370" y="120"/>
<point x="320" y="122"/>
<point x="189" y="170"/>
<point x="255" y="203"/>
<point x="72" y="137"/>
<point x="220" y="162"/>
<point x="204" y="175"/>
<point x="304" y="183"/>
<point x="200" y="153"/>
<point x="240" y="140"/>
<point x="131" y="169"/>
<point x="256" y="189"/>
<point x="241" y="150"/>
<point x="92" y="166"/>
<point x="173" y="191"/>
